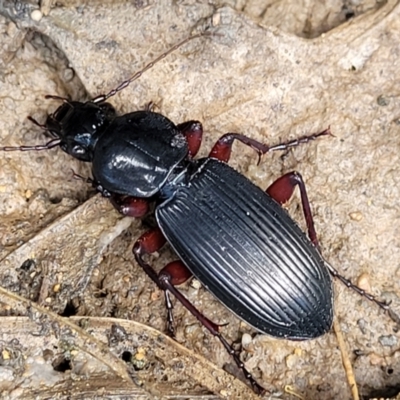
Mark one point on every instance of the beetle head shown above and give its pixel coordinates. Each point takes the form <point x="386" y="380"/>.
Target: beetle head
<point x="79" y="125"/>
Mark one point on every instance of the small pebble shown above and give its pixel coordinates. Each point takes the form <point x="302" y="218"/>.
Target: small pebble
<point x="5" y="354"/>
<point x="356" y="216"/>
<point x="291" y="361"/>
<point x="155" y="295"/>
<point x="36" y="15"/>
<point x="246" y="340"/>
<point x="216" y="19"/>
<point x="362" y="325"/>
<point x="388" y="340"/>
<point x="11" y="29"/>
<point x="375" y="359"/>
<point x="68" y="74"/>
<point x="364" y="283"/>
<point x="298" y="352"/>
<point x="195" y="284"/>
<point x="243" y="326"/>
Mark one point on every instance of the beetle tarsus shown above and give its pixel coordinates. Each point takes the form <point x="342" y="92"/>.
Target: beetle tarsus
<point x="301" y="140"/>
<point x="256" y="387"/>
<point x="380" y="303"/>
<point x="170" y="315"/>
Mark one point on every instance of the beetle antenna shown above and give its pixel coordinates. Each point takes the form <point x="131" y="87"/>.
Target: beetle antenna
<point x="138" y="74"/>
<point x="47" y="146"/>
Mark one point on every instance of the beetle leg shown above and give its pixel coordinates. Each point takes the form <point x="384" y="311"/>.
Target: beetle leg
<point x="380" y="303"/>
<point x="282" y="190"/>
<point x="129" y="206"/>
<point x="150" y="106"/>
<point x="148" y="243"/>
<point x="301" y="140"/>
<point x="223" y="148"/>
<point x="193" y="130"/>
<point x="176" y="273"/>
<point x="213" y="328"/>
<point x="170" y="315"/>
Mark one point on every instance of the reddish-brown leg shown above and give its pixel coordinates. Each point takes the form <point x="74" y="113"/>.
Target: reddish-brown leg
<point x="282" y="190"/>
<point x="171" y="275"/>
<point x="130" y="206"/>
<point x="223" y="148"/>
<point x="193" y="130"/>
<point x="177" y="273"/>
<point x="150" y="242"/>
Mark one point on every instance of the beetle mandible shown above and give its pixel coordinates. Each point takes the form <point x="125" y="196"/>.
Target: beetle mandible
<point x="234" y="237"/>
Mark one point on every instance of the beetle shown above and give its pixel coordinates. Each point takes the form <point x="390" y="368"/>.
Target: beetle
<point x="234" y="237"/>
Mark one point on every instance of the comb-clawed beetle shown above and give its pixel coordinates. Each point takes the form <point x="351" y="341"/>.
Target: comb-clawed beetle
<point x="234" y="237"/>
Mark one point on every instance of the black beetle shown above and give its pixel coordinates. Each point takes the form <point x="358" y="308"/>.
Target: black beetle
<point x="234" y="237"/>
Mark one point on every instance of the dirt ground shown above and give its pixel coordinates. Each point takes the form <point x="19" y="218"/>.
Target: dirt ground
<point x="274" y="72"/>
